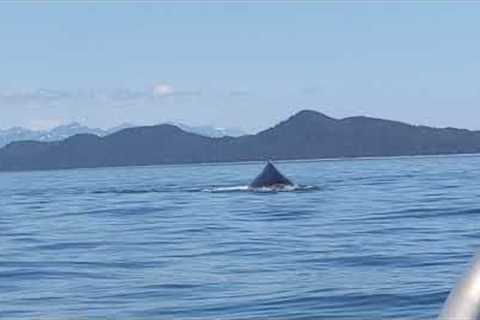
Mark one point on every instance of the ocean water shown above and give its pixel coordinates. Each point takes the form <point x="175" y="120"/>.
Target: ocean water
<point x="363" y="239"/>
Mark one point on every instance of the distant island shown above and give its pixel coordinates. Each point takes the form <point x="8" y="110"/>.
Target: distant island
<point x="306" y="135"/>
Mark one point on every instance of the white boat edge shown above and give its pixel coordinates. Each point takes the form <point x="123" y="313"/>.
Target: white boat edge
<point x="463" y="302"/>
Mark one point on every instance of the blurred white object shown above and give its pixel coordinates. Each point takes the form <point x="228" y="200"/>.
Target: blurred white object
<point x="463" y="302"/>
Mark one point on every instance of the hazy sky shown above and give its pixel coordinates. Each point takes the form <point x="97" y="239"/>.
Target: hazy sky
<point x="244" y="65"/>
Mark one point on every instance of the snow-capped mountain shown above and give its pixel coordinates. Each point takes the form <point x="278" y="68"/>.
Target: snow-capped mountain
<point x="67" y="130"/>
<point x="209" y="131"/>
<point x="57" y="133"/>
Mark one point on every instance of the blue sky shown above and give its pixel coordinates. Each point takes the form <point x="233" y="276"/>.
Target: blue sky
<point x="243" y="64"/>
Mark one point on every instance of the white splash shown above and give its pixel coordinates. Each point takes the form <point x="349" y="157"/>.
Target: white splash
<point x="262" y="189"/>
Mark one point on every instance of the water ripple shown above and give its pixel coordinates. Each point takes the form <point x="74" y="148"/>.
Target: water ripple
<point x="383" y="239"/>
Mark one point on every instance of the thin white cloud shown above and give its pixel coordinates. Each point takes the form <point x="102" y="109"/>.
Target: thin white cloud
<point x="46" y="98"/>
<point x="162" y="90"/>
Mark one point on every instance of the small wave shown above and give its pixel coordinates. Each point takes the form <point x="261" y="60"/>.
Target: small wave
<point x="227" y="189"/>
<point x="294" y="188"/>
<point x="127" y="191"/>
<point x="217" y="189"/>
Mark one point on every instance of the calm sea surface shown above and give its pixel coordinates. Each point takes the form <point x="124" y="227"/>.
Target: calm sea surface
<point x="375" y="239"/>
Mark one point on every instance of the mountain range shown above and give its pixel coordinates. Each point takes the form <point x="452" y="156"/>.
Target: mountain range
<point x="58" y="133"/>
<point x="68" y="130"/>
<point x="305" y="135"/>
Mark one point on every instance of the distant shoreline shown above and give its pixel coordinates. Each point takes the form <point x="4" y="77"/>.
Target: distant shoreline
<point x="239" y="163"/>
<point x="305" y="136"/>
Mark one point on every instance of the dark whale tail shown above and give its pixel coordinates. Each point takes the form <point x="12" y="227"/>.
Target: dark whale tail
<point x="270" y="177"/>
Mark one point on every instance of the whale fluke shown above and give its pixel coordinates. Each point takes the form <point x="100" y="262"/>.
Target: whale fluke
<point x="270" y="177"/>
